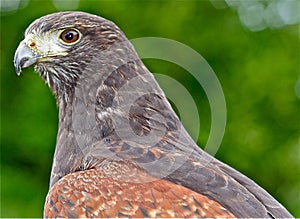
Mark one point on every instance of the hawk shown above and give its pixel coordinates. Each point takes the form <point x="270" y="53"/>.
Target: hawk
<point x="121" y="150"/>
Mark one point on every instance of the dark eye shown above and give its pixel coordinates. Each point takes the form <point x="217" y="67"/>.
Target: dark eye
<point x="69" y="36"/>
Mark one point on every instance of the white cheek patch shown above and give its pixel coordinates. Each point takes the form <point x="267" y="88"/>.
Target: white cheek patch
<point x="46" y="45"/>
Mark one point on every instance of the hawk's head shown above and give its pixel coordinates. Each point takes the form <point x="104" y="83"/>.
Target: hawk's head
<point x="61" y="45"/>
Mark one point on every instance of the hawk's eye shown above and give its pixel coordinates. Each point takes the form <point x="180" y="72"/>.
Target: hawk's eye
<point x="70" y="36"/>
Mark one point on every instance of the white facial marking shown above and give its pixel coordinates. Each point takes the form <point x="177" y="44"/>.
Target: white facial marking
<point x="46" y="45"/>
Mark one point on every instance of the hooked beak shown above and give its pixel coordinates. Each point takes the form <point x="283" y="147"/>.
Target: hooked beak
<point x="24" y="57"/>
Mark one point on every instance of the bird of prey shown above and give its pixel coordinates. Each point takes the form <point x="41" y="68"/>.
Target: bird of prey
<point x="121" y="151"/>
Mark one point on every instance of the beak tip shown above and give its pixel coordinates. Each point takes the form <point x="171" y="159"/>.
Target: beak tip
<point x="18" y="72"/>
<point x="17" y="68"/>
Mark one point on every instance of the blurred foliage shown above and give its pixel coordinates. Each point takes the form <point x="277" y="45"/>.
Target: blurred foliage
<point x="259" y="73"/>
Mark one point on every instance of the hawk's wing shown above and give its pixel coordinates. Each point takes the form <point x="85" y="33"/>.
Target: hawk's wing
<point x="183" y="180"/>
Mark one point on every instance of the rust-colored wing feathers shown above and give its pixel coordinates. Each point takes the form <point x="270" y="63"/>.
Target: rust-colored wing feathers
<point x="91" y="193"/>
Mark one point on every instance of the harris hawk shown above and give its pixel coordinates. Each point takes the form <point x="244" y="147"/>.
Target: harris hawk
<point x="121" y="151"/>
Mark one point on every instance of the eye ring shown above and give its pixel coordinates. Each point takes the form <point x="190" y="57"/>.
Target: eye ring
<point x="70" y="36"/>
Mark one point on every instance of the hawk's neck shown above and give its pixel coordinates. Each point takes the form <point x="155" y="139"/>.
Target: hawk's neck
<point x="112" y="97"/>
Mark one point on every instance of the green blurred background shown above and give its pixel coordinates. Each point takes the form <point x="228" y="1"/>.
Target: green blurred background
<point x="253" y="47"/>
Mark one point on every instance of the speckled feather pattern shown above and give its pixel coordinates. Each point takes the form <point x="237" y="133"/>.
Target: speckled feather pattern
<point x="92" y="194"/>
